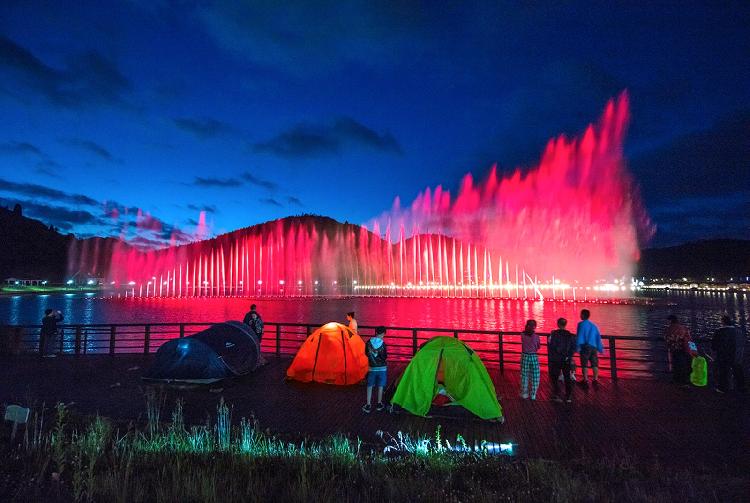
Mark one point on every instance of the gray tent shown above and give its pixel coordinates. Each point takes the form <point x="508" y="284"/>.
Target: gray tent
<point x="222" y="350"/>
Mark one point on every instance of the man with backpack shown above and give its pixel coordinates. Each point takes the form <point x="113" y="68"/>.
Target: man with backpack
<point x="377" y="356"/>
<point x="561" y="346"/>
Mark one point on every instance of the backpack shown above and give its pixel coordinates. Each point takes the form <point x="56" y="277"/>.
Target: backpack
<point x="699" y="375"/>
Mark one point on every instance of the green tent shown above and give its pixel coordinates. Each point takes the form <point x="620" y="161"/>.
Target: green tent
<point x="463" y="374"/>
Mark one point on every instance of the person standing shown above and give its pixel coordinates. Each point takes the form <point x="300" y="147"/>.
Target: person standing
<point x="589" y="346"/>
<point x="729" y="344"/>
<point x="253" y="320"/>
<point x="377" y="359"/>
<point x="529" y="360"/>
<point x="561" y="347"/>
<point x="677" y="338"/>
<point x="48" y="334"/>
<point x="353" y="326"/>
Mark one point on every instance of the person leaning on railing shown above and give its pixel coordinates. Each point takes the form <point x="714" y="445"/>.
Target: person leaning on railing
<point x="48" y="334"/>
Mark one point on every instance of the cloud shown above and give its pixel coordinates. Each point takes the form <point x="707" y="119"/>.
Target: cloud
<point x="271" y="201"/>
<point x="300" y="141"/>
<point x="216" y="182"/>
<point x="49" y="168"/>
<point x="316" y="140"/>
<point x="316" y="37"/>
<point x="46" y="166"/>
<point x="40" y="191"/>
<point x="61" y="217"/>
<point x="679" y="168"/>
<point x="20" y="147"/>
<point x="294" y="201"/>
<point x="349" y="129"/>
<point x="87" y="79"/>
<point x="208" y="208"/>
<point x="109" y="218"/>
<point x="254" y="180"/>
<point x="702" y="217"/>
<point x="91" y="147"/>
<point x="696" y="185"/>
<point x="203" y="127"/>
<point x="233" y="182"/>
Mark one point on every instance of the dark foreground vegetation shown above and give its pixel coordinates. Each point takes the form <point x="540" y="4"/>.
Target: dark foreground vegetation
<point x="61" y="457"/>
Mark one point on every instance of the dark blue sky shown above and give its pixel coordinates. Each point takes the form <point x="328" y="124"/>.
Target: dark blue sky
<point x="259" y="110"/>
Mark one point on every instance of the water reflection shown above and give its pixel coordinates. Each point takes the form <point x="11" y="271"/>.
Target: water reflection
<point x="700" y="311"/>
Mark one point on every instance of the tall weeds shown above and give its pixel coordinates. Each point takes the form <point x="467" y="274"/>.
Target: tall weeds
<point x="221" y="461"/>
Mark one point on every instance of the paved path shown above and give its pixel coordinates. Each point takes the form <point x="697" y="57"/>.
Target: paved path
<point x="644" y="417"/>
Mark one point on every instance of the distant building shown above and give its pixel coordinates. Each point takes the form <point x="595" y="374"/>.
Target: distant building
<point x="25" y="282"/>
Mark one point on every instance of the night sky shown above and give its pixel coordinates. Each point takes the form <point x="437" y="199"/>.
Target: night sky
<point x="256" y="112"/>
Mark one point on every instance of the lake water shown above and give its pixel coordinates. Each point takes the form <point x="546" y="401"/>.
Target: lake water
<point x="700" y="311"/>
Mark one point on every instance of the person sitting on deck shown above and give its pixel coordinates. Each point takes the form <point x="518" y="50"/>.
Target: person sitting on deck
<point x="561" y="346"/>
<point x="353" y="326"/>
<point x="677" y="338"/>
<point x="377" y="356"/>
<point x="442" y="397"/>
<point x="588" y="343"/>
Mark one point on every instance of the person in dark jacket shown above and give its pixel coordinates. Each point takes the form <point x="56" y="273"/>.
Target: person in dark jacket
<point x="377" y="356"/>
<point x="729" y="344"/>
<point x="561" y="346"/>
<point x="48" y="333"/>
<point x="255" y="322"/>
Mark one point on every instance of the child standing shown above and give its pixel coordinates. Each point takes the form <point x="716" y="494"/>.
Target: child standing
<point x="529" y="360"/>
<point x="377" y="355"/>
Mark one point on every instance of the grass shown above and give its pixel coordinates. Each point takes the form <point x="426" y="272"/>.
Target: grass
<point x="41" y="289"/>
<point x="90" y="459"/>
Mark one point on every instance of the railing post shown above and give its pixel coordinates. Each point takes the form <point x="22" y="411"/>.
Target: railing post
<point x="278" y="340"/>
<point x="147" y="340"/>
<point x="182" y="330"/>
<point x="612" y="359"/>
<point x="414" y="342"/>
<point x="112" y="334"/>
<point x="17" y="341"/>
<point x="77" y="343"/>
<point x="41" y="342"/>
<point x="501" y="353"/>
<point x="455" y="334"/>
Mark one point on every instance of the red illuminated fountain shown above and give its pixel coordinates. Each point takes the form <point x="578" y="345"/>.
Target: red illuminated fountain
<point x="566" y="229"/>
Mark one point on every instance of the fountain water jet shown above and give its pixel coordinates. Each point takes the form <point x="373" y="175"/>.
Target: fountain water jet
<point x="574" y="221"/>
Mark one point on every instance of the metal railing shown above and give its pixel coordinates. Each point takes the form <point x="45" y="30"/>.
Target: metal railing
<point x="623" y="357"/>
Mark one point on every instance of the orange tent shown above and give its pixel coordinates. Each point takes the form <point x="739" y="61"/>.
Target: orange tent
<point x="332" y="354"/>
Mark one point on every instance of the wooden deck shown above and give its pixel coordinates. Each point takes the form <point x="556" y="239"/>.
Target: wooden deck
<point x="648" y="418"/>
